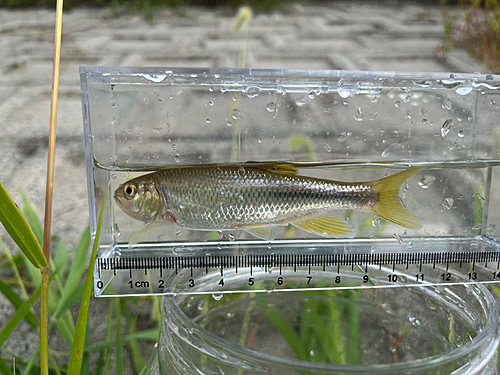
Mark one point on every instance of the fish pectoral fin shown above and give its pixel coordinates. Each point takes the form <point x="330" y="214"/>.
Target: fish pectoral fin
<point x="264" y="232"/>
<point x="140" y="236"/>
<point x="326" y="226"/>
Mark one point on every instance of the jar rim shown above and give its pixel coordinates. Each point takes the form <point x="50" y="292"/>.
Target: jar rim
<point x="487" y="302"/>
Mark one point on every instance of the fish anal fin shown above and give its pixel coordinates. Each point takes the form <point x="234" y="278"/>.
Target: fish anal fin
<point x="149" y="229"/>
<point x="326" y="226"/>
<point x="264" y="232"/>
<point x="388" y="206"/>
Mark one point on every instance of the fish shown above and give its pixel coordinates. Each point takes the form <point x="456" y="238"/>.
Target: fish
<point x="256" y="199"/>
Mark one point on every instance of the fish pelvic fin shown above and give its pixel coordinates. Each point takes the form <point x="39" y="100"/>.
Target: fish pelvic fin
<point x="326" y="226"/>
<point x="388" y="206"/>
<point x="263" y="232"/>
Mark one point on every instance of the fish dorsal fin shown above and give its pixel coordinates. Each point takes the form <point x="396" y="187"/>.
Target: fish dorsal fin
<point x="264" y="232"/>
<point x="326" y="226"/>
<point x="287" y="169"/>
<point x="149" y="229"/>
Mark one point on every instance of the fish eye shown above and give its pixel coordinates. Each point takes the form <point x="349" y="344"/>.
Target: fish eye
<point x="129" y="191"/>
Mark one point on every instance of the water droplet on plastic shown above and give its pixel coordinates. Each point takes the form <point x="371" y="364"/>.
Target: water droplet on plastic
<point x="426" y="181"/>
<point x="445" y="129"/>
<point x="491" y="229"/>
<point x="359" y="114"/>
<point x="414" y="321"/>
<point x="207" y="121"/>
<point x="372" y="115"/>
<point x="385" y="153"/>
<point x="211" y="103"/>
<point x="117" y="230"/>
<point x="407" y="115"/>
<point x="236" y="114"/>
<point x="211" y="89"/>
<point x="493" y="102"/>
<point x="177" y="158"/>
<point x="461" y="134"/>
<point x="252" y="91"/>
<point x="301" y="101"/>
<point x="376" y="223"/>
<point x="327" y="148"/>
<point x="410" y="245"/>
<point x="343" y="136"/>
<point x="344" y="93"/>
<point x="397" y="104"/>
<point x="424" y="121"/>
<point x="431" y="304"/>
<point x="463" y="90"/>
<point x="312" y="353"/>
<point x="235" y="98"/>
<point x="269" y="286"/>
<point x="230" y="236"/>
<point x="217" y="296"/>
<point x="201" y="304"/>
<point x="271" y="107"/>
<point x="312" y="95"/>
<point x="447" y="104"/>
<point x="447" y="203"/>
<point x="398" y="237"/>
<point x="479" y="196"/>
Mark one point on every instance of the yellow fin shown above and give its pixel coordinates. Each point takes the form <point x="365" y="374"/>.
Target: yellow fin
<point x="264" y="232"/>
<point x="388" y="206"/>
<point x="326" y="226"/>
<point x="287" y="169"/>
<point x="140" y="236"/>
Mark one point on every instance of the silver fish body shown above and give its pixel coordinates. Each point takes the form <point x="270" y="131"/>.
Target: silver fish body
<point x="227" y="197"/>
<point x="256" y="198"/>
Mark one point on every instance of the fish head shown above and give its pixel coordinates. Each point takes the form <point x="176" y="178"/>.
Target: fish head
<point x="139" y="198"/>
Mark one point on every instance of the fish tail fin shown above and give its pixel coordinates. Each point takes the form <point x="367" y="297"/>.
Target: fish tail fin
<point x="388" y="206"/>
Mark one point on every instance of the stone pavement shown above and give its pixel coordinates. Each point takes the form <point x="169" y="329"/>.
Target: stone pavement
<point x="336" y="35"/>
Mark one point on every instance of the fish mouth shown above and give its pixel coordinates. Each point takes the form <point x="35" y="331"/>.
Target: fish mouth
<point x="117" y="198"/>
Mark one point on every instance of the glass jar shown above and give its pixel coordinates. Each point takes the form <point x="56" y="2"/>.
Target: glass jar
<point x="402" y="330"/>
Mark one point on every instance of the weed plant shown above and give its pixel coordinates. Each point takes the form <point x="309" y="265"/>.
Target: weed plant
<point x="475" y="27"/>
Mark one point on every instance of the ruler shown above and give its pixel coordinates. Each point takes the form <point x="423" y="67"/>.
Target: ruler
<point x="235" y="269"/>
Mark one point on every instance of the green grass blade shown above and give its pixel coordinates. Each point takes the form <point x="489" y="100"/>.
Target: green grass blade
<point x="76" y="357"/>
<point x="284" y="328"/>
<point x="14" y="269"/>
<point x="4" y="368"/>
<point x="21" y="312"/>
<point x="17" y="302"/>
<point x="75" y="274"/>
<point x="32" y="217"/>
<point x="148" y="334"/>
<point x="31" y="362"/>
<point x="65" y="305"/>
<point x="109" y="328"/>
<point x="18" y="228"/>
<point x="137" y="358"/>
<point x="119" y="339"/>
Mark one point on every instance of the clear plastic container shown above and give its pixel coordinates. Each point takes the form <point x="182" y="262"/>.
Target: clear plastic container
<point x="417" y="330"/>
<point x="338" y="125"/>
